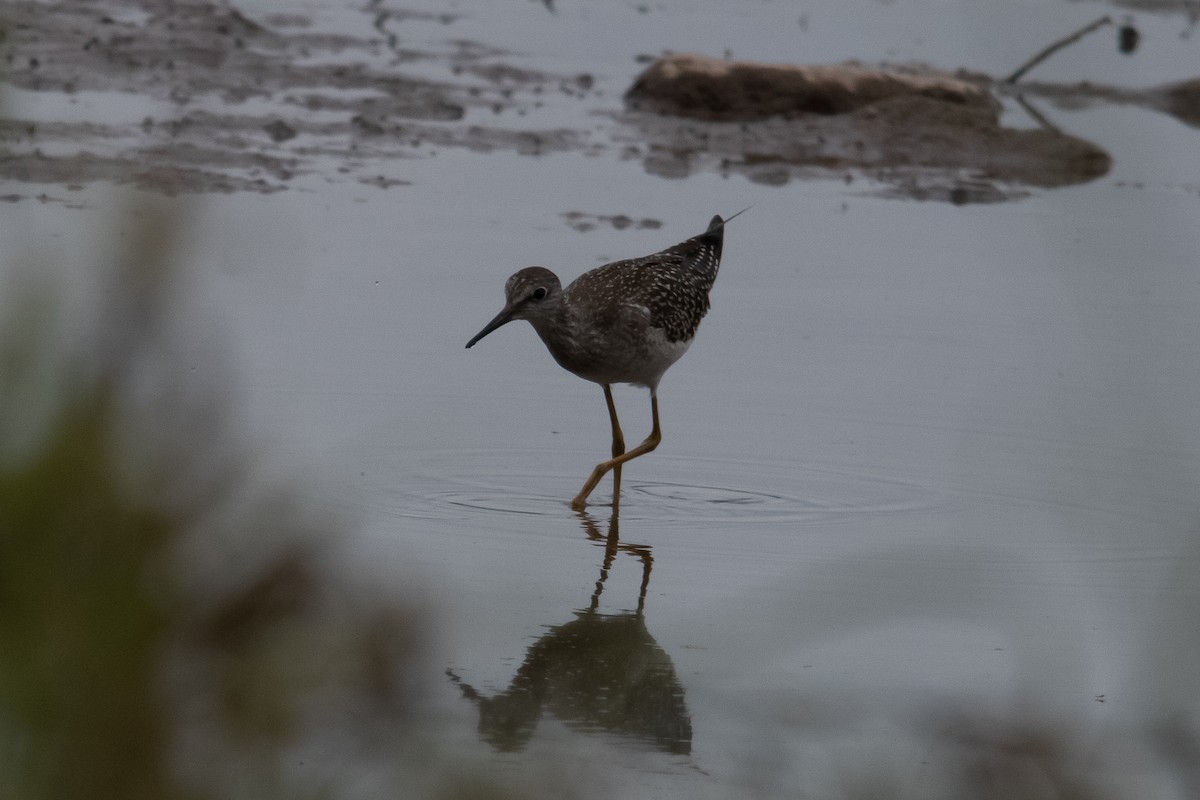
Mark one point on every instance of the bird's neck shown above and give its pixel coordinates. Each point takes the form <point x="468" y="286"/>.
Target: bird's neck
<point x="560" y="329"/>
<point x="556" y="326"/>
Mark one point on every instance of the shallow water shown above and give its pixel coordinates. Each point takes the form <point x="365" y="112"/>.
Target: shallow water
<point x="919" y="456"/>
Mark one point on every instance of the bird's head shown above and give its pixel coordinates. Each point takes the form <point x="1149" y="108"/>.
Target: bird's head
<point x="533" y="293"/>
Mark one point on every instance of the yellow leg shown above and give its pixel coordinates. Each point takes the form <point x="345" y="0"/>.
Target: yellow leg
<point x="618" y="442"/>
<point x="615" y="462"/>
<point x="618" y="446"/>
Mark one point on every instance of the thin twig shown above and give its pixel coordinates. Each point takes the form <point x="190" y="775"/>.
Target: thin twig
<point x="1037" y="115"/>
<point x="1056" y="46"/>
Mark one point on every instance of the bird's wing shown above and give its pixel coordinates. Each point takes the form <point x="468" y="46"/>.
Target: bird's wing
<point x="667" y="293"/>
<point x="670" y="286"/>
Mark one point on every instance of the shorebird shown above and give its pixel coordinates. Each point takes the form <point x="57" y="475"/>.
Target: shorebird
<point x="624" y="322"/>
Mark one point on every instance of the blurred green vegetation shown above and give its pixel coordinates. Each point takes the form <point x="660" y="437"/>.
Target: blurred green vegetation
<point x="86" y="617"/>
<point x="169" y="625"/>
<point x="84" y="587"/>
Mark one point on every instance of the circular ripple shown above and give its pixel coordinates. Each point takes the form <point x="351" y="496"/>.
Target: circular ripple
<point x="703" y="494"/>
<point x="505" y="503"/>
<point x="463" y="484"/>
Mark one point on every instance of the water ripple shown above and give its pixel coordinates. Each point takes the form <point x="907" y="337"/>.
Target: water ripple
<point x="462" y="484"/>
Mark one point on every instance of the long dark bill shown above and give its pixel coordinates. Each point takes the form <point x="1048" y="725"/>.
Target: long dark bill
<point x="503" y="318"/>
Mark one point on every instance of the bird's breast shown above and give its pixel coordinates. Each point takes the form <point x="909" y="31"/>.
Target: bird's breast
<point x="637" y="355"/>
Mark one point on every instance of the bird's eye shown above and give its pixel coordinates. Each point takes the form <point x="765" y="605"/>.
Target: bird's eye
<point x="539" y="293"/>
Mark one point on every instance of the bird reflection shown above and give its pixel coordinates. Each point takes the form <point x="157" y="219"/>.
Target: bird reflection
<point x="597" y="672"/>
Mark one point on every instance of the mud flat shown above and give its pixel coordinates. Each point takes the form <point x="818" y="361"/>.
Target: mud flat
<point x="248" y="104"/>
<point x="235" y="103"/>
<point x="929" y="134"/>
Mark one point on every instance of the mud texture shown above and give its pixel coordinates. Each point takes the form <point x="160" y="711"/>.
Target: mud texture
<point x="928" y="135"/>
<point x="251" y="104"/>
<point x="728" y="91"/>
<point x="1182" y="101"/>
<point x="583" y="221"/>
<point x="243" y="104"/>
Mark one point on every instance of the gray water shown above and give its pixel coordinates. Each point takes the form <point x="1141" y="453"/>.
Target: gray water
<point x="921" y="459"/>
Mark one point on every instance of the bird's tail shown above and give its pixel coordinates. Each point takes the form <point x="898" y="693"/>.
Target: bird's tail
<point x="718" y="223"/>
<point x="703" y="252"/>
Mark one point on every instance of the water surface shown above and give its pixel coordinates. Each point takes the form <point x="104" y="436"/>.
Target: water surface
<point x="920" y="458"/>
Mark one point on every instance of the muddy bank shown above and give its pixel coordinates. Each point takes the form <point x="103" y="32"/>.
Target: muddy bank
<point x="236" y="103"/>
<point x="251" y="104"/>
<point x="929" y="135"/>
<point x="699" y="87"/>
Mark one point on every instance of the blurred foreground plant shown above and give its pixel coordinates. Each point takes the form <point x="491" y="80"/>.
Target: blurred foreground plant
<point x="83" y="589"/>
<point x="169" y="623"/>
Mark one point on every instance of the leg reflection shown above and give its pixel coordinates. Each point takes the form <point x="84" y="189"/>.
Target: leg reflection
<point x="612" y="544"/>
<point x="596" y="671"/>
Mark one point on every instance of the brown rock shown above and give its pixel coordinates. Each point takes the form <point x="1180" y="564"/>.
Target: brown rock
<point x="713" y="89"/>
